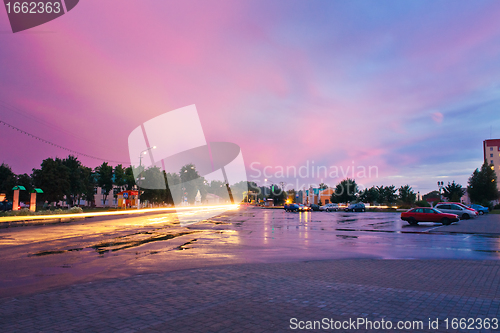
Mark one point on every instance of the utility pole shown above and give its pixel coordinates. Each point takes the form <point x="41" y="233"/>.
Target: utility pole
<point x="440" y="185"/>
<point x="144" y="152"/>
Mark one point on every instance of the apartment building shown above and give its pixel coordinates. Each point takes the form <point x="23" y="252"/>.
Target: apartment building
<point x="492" y="155"/>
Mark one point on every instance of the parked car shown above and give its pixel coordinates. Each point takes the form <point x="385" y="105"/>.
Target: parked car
<point x="291" y="208"/>
<point x="461" y="205"/>
<point x="424" y="214"/>
<point x="330" y="207"/>
<point x="303" y="207"/>
<point x="357" y="207"/>
<point x="480" y="209"/>
<point x="450" y="208"/>
<point x="5" y="205"/>
<point x="314" y="207"/>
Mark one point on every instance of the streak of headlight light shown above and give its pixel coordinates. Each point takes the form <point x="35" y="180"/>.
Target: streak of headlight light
<point x="127" y="212"/>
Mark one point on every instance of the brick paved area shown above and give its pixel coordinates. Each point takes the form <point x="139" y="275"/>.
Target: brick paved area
<point x="263" y="297"/>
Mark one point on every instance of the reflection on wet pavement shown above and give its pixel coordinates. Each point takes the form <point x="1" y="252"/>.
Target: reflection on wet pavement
<point x="38" y="257"/>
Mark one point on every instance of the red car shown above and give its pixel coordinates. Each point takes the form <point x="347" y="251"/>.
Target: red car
<point x="425" y="214"/>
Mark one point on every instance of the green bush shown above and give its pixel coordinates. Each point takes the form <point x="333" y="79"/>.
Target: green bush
<point x="75" y="210"/>
<point x="21" y="212"/>
<point x="24" y="212"/>
<point x="422" y="203"/>
<point x="27" y="212"/>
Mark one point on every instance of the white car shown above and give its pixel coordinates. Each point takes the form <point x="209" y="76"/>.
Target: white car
<point x="450" y="208"/>
<point x="330" y="207"/>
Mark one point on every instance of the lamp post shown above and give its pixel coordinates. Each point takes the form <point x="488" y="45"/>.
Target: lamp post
<point x="440" y="186"/>
<point x="144" y="152"/>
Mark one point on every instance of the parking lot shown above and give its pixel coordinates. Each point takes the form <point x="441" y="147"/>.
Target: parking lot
<point x="226" y="272"/>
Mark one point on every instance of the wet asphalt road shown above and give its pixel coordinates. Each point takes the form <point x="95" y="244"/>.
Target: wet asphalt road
<point x="37" y="258"/>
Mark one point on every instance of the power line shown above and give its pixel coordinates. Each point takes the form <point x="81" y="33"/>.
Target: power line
<point x="58" y="146"/>
<point x="31" y="117"/>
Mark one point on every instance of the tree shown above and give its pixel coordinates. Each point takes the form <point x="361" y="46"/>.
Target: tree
<point x="89" y="184"/>
<point x="238" y="190"/>
<point x="120" y="178"/>
<point x="381" y="194"/>
<point x="217" y="187"/>
<point x="345" y="191"/>
<point x="323" y="186"/>
<point x="256" y="191"/>
<point x="482" y="186"/>
<point x="291" y="195"/>
<point x="7" y="180"/>
<point x="188" y="176"/>
<point x="453" y="192"/>
<point x="390" y="195"/>
<point x="153" y="180"/>
<point x="129" y="178"/>
<point x="104" y="179"/>
<point x="253" y="191"/>
<point x="387" y="194"/>
<point x="53" y="178"/>
<point x="26" y="181"/>
<point x="406" y="195"/>
<point x="369" y="195"/>
<point x="174" y="193"/>
<point x="76" y="186"/>
<point x="277" y="194"/>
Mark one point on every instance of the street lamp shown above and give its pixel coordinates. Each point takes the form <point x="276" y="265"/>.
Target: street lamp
<point x="144" y="152"/>
<point x="440" y="185"/>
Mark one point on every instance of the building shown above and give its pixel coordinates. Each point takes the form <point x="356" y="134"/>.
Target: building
<point x="109" y="200"/>
<point x="311" y="196"/>
<point x="326" y="195"/>
<point x="127" y="199"/>
<point x="211" y="199"/>
<point x="315" y="195"/>
<point x="491" y="150"/>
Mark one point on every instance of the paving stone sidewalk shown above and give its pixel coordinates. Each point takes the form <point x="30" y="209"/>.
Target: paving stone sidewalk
<point x="264" y="297"/>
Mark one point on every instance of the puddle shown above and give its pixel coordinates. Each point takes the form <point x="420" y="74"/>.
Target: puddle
<point x="347" y="220"/>
<point x="44" y="253"/>
<point x="374" y="230"/>
<point x="217" y="222"/>
<point x="183" y="246"/>
<point x="487" y="251"/>
<point x="120" y="244"/>
<point x="137" y="233"/>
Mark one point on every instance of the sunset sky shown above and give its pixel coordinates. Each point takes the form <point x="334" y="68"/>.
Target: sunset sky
<point x="411" y="87"/>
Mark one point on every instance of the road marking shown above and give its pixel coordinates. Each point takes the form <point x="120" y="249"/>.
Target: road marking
<point x="440" y="226"/>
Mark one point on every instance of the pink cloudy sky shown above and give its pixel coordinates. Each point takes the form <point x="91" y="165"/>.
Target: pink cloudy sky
<point x="411" y="87"/>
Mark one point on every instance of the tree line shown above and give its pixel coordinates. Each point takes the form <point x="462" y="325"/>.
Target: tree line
<point x="481" y="188"/>
<point x="68" y="180"/>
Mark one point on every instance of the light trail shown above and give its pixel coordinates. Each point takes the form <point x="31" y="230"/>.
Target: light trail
<point x="127" y="212"/>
